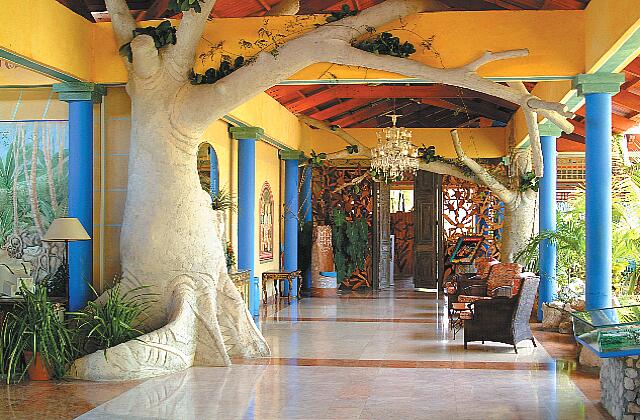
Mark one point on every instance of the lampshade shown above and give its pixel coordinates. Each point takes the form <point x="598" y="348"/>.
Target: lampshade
<point x="66" y="229"/>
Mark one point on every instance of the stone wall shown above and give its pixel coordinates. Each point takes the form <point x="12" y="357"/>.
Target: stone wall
<point x="620" y="386"/>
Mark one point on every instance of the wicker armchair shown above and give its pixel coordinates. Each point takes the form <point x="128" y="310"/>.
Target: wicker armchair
<point x="504" y="320"/>
<point x="503" y="281"/>
<point x="467" y="282"/>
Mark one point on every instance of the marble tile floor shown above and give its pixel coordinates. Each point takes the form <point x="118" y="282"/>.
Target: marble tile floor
<point x="386" y="355"/>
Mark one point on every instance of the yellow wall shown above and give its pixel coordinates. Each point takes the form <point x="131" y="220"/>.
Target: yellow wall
<point x="477" y="142"/>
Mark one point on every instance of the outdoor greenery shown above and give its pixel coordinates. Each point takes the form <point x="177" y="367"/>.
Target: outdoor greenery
<point x="211" y="75"/>
<point x="529" y="181"/>
<point x="163" y="34"/>
<point x="35" y="326"/>
<point x="345" y="11"/>
<point x="230" y="256"/>
<point x="118" y="318"/>
<point x="350" y="244"/>
<point x="223" y="200"/>
<point x="570" y="238"/>
<point x="184" y="5"/>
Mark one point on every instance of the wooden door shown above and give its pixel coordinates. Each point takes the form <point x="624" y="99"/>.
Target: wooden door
<point x="427" y="225"/>
<point x="382" y="237"/>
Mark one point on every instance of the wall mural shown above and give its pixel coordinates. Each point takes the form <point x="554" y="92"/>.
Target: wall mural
<point x="471" y="209"/>
<point x="356" y="201"/>
<point x="33" y="192"/>
<point x="266" y="223"/>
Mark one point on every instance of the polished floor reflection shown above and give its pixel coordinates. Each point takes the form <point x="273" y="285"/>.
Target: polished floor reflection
<point x="387" y="355"/>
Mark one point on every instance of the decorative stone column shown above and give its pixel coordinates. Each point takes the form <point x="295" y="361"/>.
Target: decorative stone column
<point x="307" y="212"/>
<point x="547" y="249"/>
<point x="291" y="161"/>
<point x="247" y="137"/>
<point x="80" y="96"/>
<point x="597" y="90"/>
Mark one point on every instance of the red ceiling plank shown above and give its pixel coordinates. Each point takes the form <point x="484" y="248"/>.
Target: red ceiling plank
<point x="340" y="108"/>
<point x="365" y="113"/>
<point x="628" y="100"/>
<point x="578" y="128"/>
<point x="157" y="10"/>
<point x="385" y="91"/>
<point x="486" y="110"/>
<point x="634" y="67"/>
<point x="308" y="102"/>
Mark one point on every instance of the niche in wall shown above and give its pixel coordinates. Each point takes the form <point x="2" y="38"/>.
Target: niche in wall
<point x="208" y="168"/>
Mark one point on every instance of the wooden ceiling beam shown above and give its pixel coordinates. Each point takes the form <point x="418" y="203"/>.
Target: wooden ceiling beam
<point x="157" y="10"/>
<point x="78" y="6"/>
<point x="341" y="108"/>
<point x="628" y="100"/>
<point x="308" y="102"/>
<point x="365" y="113"/>
<point x="484" y="109"/>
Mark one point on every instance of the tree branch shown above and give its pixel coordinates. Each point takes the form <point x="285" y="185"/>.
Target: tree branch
<point x="489" y="56"/>
<point x="146" y="60"/>
<point x="121" y="20"/>
<point x="483" y="175"/>
<point x="334" y="129"/>
<point x="187" y="37"/>
<point x="285" y="8"/>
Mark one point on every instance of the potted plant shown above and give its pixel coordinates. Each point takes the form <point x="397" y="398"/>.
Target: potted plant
<point x="36" y="339"/>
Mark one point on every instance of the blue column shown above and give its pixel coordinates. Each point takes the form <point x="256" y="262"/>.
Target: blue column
<point x="291" y="161"/>
<point x="247" y="137"/>
<point x="597" y="89"/>
<point x="81" y="97"/>
<point x="213" y="172"/>
<point x="307" y="212"/>
<point x="547" y="249"/>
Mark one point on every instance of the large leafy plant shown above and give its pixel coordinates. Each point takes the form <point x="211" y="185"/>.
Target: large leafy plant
<point x="223" y="200"/>
<point x="386" y="44"/>
<point x="118" y="318"/>
<point x="350" y="244"/>
<point x="35" y="326"/>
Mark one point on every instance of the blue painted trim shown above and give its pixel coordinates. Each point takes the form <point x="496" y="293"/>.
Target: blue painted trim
<point x="598" y="218"/>
<point x="547" y="249"/>
<point x="81" y="200"/>
<point x="329" y="274"/>
<point x="609" y="354"/>
<point x="291" y="220"/>
<point x="247" y="208"/>
<point x="213" y="171"/>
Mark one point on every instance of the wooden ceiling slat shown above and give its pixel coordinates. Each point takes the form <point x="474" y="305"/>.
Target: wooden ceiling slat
<point x="365" y="113"/>
<point x="620" y="124"/>
<point x="341" y="108"/>
<point x="628" y="99"/>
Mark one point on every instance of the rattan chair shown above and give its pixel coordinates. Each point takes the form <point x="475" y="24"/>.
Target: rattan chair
<point x="503" y="320"/>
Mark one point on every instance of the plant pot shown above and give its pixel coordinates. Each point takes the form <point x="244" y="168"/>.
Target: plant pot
<point x="37" y="369"/>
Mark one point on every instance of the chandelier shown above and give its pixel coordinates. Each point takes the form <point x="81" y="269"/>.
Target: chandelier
<point x="394" y="156"/>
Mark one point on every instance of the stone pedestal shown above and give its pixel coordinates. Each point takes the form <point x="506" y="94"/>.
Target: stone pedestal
<point x="620" y="386"/>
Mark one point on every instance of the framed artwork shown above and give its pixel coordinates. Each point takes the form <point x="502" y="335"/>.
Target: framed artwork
<point x="466" y="249"/>
<point x="266" y="223"/>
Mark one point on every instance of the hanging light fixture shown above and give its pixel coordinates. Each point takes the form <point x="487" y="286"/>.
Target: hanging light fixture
<point x="395" y="155"/>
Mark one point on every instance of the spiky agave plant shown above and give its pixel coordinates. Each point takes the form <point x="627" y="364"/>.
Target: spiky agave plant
<point x="116" y="319"/>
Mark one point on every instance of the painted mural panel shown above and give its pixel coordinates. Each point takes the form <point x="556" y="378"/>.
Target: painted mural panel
<point x="33" y="192"/>
<point x="266" y="223"/>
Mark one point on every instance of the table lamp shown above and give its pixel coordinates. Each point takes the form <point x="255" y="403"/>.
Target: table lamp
<point x="66" y="229"/>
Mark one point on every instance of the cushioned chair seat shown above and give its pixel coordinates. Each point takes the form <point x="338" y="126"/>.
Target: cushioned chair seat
<point x="471" y="299"/>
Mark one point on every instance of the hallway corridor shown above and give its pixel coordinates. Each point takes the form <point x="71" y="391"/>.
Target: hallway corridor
<point x="386" y="355"/>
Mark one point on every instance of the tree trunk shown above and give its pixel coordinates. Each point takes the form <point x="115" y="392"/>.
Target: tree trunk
<point x="170" y="242"/>
<point x="519" y="224"/>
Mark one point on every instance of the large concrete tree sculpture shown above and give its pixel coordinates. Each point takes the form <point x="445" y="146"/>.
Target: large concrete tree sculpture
<point x="169" y="236"/>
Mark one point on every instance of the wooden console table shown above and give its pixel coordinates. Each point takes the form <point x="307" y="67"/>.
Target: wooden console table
<point x="242" y="280"/>
<point x="278" y="277"/>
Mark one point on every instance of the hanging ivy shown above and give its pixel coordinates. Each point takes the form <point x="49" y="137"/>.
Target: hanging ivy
<point x="163" y="34"/>
<point x="317" y="158"/>
<point x="352" y="149"/>
<point x="212" y="75"/>
<point x="529" y="181"/>
<point x="184" y="5"/>
<point x="386" y="44"/>
<point x="345" y="11"/>
<point x="428" y="154"/>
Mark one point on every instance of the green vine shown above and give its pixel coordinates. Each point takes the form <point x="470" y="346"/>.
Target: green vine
<point x="386" y="44"/>
<point x="350" y="244"/>
<point x="344" y="12"/>
<point x="163" y="34"/>
<point x="184" y="5"/>
<point x="317" y="158"/>
<point x="529" y="181"/>
<point x="212" y="75"/>
<point x="352" y="149"/>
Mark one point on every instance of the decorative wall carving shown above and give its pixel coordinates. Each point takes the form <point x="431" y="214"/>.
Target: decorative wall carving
<point x="266" y="223"/>
<point x="471" y="209"/>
